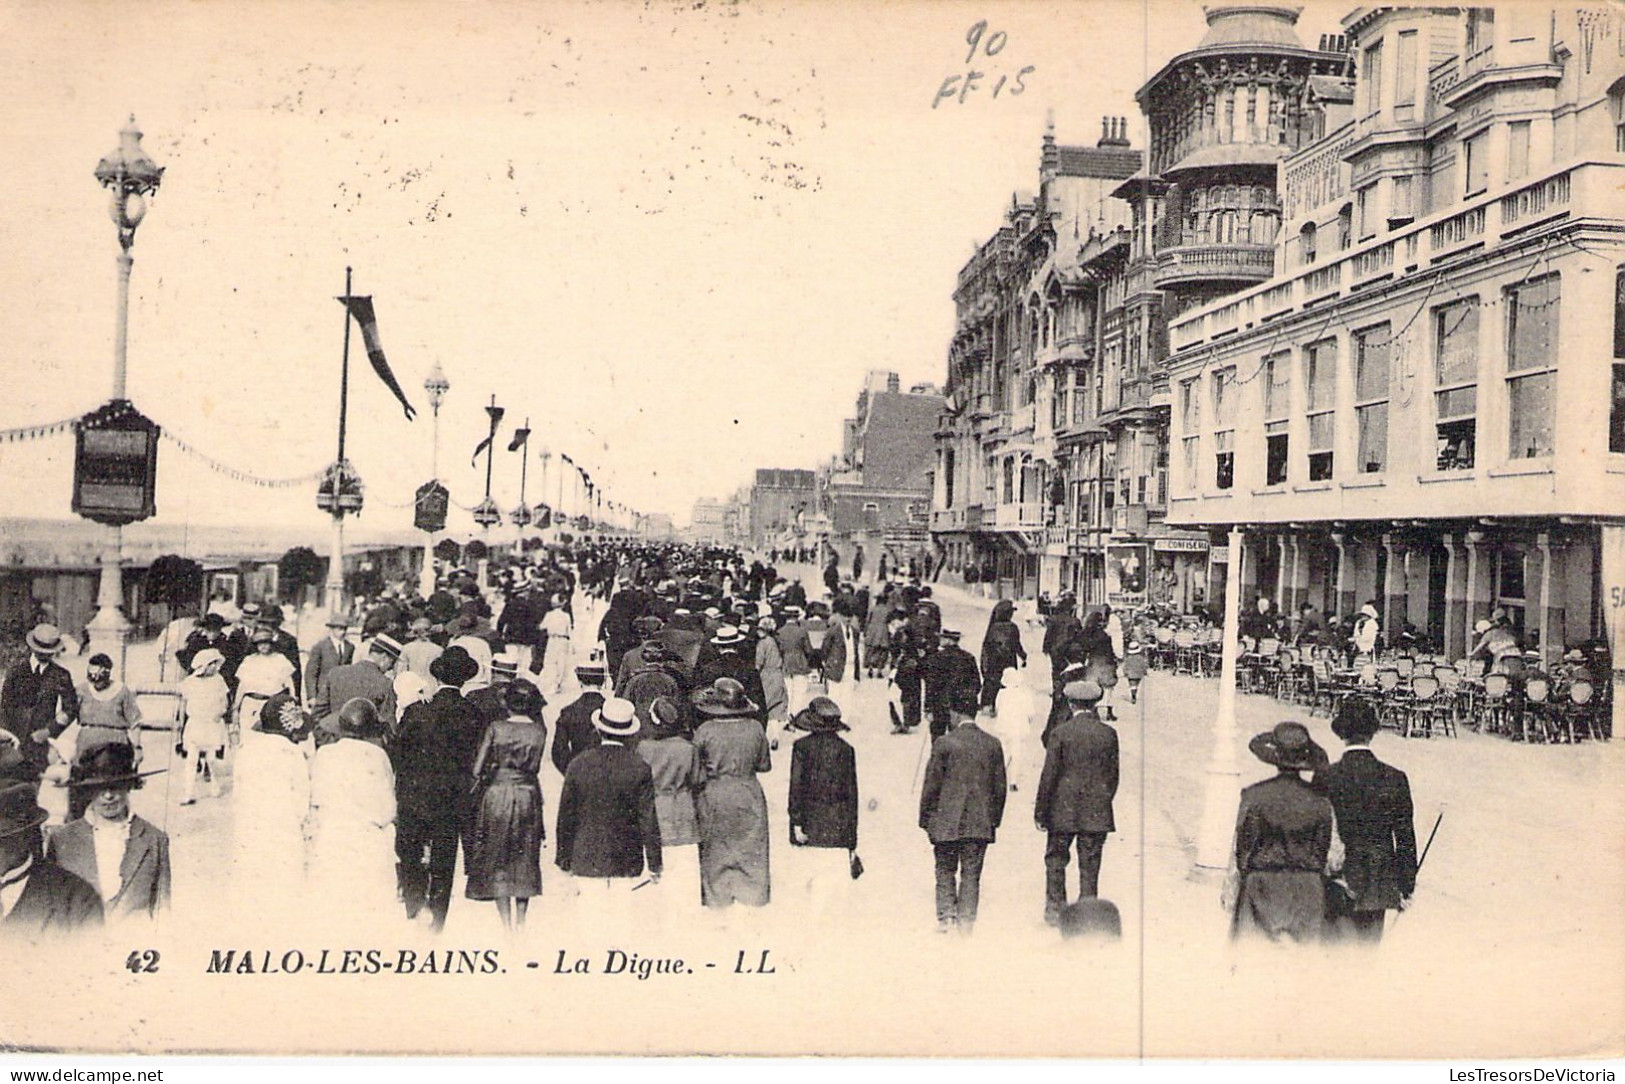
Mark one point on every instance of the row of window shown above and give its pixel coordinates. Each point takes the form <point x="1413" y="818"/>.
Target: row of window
<point x="1532" y="309"/>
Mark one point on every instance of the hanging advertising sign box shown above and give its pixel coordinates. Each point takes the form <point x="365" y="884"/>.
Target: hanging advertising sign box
<point x="429" y="507"/>
<point x="115" y="465"/>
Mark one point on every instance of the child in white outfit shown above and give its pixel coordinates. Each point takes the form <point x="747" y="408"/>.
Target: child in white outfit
<point x="203" y="735"/>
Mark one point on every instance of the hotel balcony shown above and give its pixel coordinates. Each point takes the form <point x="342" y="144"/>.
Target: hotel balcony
<point x="947" y="519"/>
<point x="1026" y="515"/>
<point x="1240" y="262"/>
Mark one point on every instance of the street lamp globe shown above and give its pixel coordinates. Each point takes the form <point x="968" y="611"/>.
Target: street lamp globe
<point x="435" y="385"/>
<point x="131" y="175"/>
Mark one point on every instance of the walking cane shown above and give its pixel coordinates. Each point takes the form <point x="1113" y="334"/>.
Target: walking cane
<point x="1429" y="843"/>
<point x="1425" y="848"/>
<point x="919" y="763"/>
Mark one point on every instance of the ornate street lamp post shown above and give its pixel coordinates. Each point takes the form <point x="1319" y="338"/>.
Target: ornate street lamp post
<point x="435" y="386"/>
<point x="131" y="176"/>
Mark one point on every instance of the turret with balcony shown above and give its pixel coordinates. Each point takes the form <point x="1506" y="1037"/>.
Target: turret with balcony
<point x="1221" y="118"/>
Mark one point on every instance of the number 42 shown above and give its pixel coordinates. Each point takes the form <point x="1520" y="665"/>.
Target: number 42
<point x="142" y="961"/>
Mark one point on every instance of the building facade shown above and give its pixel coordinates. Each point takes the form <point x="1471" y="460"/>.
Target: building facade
<point x="1024" y="315"/>
<point x="1053" y="456"/>
<point x="780" y="503"/>
<point x="1424" y="404"/>
<point x="877" y="492"/>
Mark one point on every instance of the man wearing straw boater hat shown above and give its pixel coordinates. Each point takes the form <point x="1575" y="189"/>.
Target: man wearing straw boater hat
<point x="38" y="700"/>
<point x="38" y="898"/>
<point x="608" y="829"/>
<point x="1372" y="801"/>
<point x="121" y="855"/>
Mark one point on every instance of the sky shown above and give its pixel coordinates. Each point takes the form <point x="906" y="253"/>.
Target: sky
<point x="672" y="236"/>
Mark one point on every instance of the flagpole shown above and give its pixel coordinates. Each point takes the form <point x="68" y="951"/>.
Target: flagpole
<point x="335" y="564"/>
<point x="491" y="445"/>
<point x="344" y="369"/>
<point x="524" y="462"/>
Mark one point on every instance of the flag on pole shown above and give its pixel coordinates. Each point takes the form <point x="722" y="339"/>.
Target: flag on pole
<point x="519" y="438"/>
<point x="367" y="320"/>
<point x="496" y="413"/>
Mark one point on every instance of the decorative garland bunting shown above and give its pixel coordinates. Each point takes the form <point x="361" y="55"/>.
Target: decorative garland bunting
<point x="239" y="475"/>
<point x="38" y="432"/>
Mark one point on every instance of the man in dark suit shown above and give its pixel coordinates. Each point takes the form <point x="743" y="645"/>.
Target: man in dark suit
<point x="1075" y="798"/>
<point x="328" y="655"/>
<point x="433" y="755"/>
<point x="38" y="700"/>
<point x="961" y="806"/>
<point x="574" y="733"/>
<point x="38" y="898"/>
<point x="608" y="832"/>
<point x="1372" y="801"/>
<point x="950" y="673"/>
<point x="365" y="678"/>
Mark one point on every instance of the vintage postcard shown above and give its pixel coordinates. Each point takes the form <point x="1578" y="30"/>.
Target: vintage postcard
<point x="783" y="528"/>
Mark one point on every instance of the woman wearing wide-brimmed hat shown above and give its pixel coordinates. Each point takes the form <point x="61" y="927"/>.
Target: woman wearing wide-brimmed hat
<point x="735" y="658"/>
<point x="1283" y="837"/>
<point x="732" y="808"/>
<point x="823" y="805"/>
<point x="270" y="801"/>
<point x="122" y="856"/>
<point x="503" y="859"/>
<point x="352" y="819"/>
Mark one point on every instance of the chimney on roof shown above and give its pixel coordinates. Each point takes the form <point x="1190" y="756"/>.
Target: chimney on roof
<point x="1113" y="132"/>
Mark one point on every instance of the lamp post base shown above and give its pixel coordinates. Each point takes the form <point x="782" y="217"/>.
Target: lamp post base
<point x="110" y="635"/>
<point x="110" y="630"/>
<point x="426" y="579"/>
<point x="334" y="588"/>
<point x="1223" y="794"/>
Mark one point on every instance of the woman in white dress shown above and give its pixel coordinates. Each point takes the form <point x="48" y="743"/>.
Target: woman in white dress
<point x="556" y="663"/>
<point x="352" y="820"/>
<point x="260" y="676"/>
<point x="270" y="803"/>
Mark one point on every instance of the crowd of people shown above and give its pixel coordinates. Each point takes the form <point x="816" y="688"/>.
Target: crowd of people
<point x="361" y="769"/>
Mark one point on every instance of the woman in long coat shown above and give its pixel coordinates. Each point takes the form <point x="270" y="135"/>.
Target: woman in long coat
<point x="1100" y="661"/>
<point x="876" y="636"/>
<point x="675" y="765"/>
<point x="352" y="819"/>
<point x="270" y="803"/>
<point x="1277" y="889"/>
<point x="1001" y="649"/>
<point x="770" y="664"/>
<point x="505" y="844"/>
<point x="732" y="808"/>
